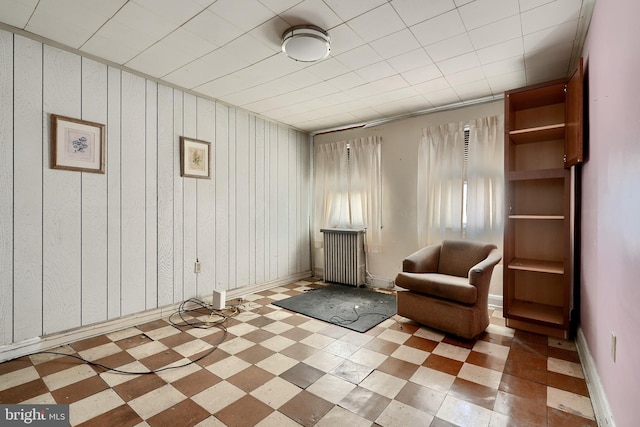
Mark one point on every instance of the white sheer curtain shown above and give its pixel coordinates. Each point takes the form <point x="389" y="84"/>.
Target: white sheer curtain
<point x="366" y="189"/>
<point x="331" y="187"/>
<point x="348" y="188"/>
<point x="440" y="183"/>
<point x="485" y="180"/>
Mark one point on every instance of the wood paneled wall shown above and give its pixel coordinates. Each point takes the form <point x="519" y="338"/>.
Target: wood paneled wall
<point x="80" y="248"/>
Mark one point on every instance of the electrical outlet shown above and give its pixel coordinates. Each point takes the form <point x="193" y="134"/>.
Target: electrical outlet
<point x="613" y="346"/>
<point x="197" y="267"/>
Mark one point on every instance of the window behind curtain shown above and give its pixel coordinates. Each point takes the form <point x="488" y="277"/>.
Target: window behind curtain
<point x="348" y="188"/>
<point x="461" y="182"/>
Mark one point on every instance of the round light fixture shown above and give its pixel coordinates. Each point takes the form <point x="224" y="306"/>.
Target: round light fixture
<point x="306" y="43"/>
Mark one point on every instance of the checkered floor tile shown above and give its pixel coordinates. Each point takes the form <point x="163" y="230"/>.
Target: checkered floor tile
<point x="272" y="367"/>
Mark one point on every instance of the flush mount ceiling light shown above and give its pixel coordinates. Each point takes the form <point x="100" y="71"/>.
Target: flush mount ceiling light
<point x="306" y="43"/>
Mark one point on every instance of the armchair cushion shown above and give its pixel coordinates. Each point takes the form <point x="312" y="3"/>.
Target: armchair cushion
<point x="453" y="288"/>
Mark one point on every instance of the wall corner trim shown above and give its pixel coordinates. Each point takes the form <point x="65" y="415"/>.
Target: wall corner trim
<point x="601" y="408"/>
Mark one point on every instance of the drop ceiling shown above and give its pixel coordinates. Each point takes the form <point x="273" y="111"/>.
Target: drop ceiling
<point x="389" y="58"/>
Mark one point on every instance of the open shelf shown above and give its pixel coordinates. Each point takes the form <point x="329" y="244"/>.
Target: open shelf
<point x="540" y="217"/>
<point x="540" y="266"/>
<point x="535" y="174"/>
<point x="531" y="311"/>
<point x="538" y="133"/>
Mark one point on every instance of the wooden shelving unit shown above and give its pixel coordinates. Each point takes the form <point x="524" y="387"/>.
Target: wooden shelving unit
<point x="541" y="146"/>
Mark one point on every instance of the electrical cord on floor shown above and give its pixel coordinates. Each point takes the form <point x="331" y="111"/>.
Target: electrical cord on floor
<point x="339" y="320"/>
<point x="220" y="315"/>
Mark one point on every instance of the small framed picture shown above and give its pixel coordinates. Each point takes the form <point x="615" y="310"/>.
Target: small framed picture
<point x="77" y="145"/>
<point x="195" y="158"/>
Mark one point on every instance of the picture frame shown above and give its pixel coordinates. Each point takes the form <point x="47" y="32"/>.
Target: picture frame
<point x="77" y="145"/>
<point x="195" y="158"/>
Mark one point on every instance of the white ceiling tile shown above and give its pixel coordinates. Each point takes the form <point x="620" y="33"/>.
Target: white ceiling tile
<point x="473" y="90"/>
<point x="401" y="93"/>
<point x="391" y="83"/>
<point x="363" y="91"/>
<point x="314" y="12"/>
<point x="249" y="48"/>
<point x="410" y="60"/>
<point x="496" y="32"/>
<point x="299" y="79"/>
<point x="442" y="97"/>
<point x="171" y="53"/>
<point x="422" y="74"/>
<point x="395" y="44"/>
<point x="365" y="113"/>
<point x="508" y="81"/>
<point x="59" y="28"/>
<point x="347" y="10"/>
<point x="177" y="12"/>
<point x="530" y="4"/>
<point x="328" y="68"/>
<point x="550" y="15"/>
<point x="434" y="85"/>
<point x="183" y="39"/>
<point x="17" y="13"/>
<point x="118" y="43"/>
<point x="279" y="6"/>
<point x="376" y="23"/>
<point x="210" y="67"/>
<point x="550" y="37"/>
<point x="269" y="69"/>
<point x="388" y="56"/>
<point x="376" y="71"/>
<point x="213" y="28"/>
<point x="439" y="28"/>
<point x="319" y="89"/>
<point x="223" y="86"/>
<point x="134" y="16"/>
<point x="71" y="23"/>
<point x="560" y="53"/>
<point x="445" y="49"/>
<point x="343" y="39"/>
<point x="542" y="73"/>
<point x="466" y="76"/>
<point x="270" y="32"/>
<point x="347" y="81"/>
<point x="504" y="66"/>
<point x="161" y="59"/>
<point x="501" y="51"/>
<point x="459" y="63"/>
<point x="359" y="57"/>
<point x="245" y="14"/>
<point x="414" y="11"/>
<point x="483" y="12"/>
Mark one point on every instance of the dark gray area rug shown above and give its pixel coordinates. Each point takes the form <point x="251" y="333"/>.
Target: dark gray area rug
<point x="358" y="309"/>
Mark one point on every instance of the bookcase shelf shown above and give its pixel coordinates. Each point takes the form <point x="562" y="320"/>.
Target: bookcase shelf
<point x="539" y="142"/>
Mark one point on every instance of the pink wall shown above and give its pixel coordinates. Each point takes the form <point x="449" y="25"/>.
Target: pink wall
<point x="610" y="284"/>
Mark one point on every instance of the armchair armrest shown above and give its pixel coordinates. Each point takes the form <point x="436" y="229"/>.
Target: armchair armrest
<point x="424" y="260"/>
<point x="477" y="271"/>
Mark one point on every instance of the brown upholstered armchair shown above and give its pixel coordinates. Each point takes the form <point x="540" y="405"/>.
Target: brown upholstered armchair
<point x="447" y="286"/>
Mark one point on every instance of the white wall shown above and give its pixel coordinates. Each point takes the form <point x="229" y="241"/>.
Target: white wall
<point x="400" y="140"/>
<point x="80" y="248"/>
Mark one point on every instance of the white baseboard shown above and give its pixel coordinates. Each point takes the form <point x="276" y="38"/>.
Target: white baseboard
<point x="601" y="408"/>
<point x="48" y="342"/>
<point x="496" y="301"/>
